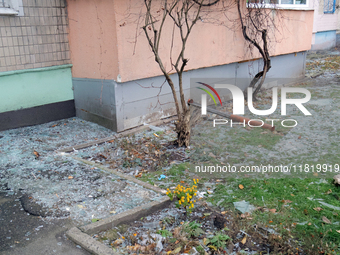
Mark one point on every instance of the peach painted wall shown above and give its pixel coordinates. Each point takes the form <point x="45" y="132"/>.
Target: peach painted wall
<point x="93" y="39"/>
<point x="130" y="56"/>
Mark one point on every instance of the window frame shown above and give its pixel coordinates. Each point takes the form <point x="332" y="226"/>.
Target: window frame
<point x="11" y="8"/>
<point x="281" y="6"/>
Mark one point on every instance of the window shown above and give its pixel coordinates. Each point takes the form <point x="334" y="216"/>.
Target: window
<point x="329" y="6"/>
<point x="280" y="3"/>
<point x="4" y="4"/>
<point x="11" y="7"/>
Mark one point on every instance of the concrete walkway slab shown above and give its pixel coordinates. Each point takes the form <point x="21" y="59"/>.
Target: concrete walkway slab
<point x="44" y="191"/>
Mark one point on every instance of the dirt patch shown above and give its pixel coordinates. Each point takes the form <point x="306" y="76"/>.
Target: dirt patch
<point x="205" y="231"/>
<point x="137" y="154"/>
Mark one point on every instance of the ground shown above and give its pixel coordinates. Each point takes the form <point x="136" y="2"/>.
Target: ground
<point x="45" y="191"/>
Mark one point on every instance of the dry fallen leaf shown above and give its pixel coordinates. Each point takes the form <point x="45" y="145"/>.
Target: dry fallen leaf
<point x="118" y="241"/>
<point x="292" y="195"/>
<point x="102" y="156"/>
<point x="177" y="250"/>
<point x="272" y="210"/>
<point x="315" y="174"/>
<point x="325" y="220"/>
<point x="37" y="155"/>
<point x="338" y="231"/>
<point x="241" y="186"/>
<point x="224" y="212"/>
<point x="70" y="177"/>
<point x="186" y="251"/>
<point x="318" y="209"/>
<point x="211" y="155"/>
<point x="299" y="137"/>
<point x="244" y="240"/>
<point x="329" y="192"/>
<point x="177" y="233"/>
<point x="212" y="247"/>
<point x="135" y="247"/>
<point x="139" y="175"/>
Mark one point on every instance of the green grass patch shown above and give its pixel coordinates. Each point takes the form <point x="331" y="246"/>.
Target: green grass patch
<point x="297" y="205"/>
<point x="176" y="173"/>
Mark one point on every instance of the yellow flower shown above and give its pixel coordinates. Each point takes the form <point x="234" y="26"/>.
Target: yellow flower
<point x="195" y="194"/>
<point x="179" y="201"/>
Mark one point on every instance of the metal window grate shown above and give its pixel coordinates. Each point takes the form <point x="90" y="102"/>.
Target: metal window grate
<point x="329" y="6"/>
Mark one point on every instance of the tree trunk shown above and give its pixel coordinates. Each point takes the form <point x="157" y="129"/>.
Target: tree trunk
<point x="183" y="129"/>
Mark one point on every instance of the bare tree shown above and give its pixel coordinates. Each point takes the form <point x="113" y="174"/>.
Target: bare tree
<point x="256" y="21"/>
<point x="184" y="14"/>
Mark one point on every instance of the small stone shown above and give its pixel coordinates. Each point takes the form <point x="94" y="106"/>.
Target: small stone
<point x="337" y="179"/>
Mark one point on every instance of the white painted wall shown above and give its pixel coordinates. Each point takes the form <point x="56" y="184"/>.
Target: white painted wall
<point x="324" y="21"/>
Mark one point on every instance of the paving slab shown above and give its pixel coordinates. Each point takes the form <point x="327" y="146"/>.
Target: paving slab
<point x="44" y="191"/>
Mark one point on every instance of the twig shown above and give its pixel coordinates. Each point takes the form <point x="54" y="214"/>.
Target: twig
<point x="34" y="175"/>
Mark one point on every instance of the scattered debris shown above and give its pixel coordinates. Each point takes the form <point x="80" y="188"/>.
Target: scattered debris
<point x="244" y="207"/>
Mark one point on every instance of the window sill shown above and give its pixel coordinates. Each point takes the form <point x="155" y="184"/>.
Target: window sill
<point x="282" y="7"/>
<point x="8" y="12"/>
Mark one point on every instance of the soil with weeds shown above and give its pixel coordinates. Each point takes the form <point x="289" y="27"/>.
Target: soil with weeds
<point x="205" y="231"/>
<point x="137" y="154"/>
